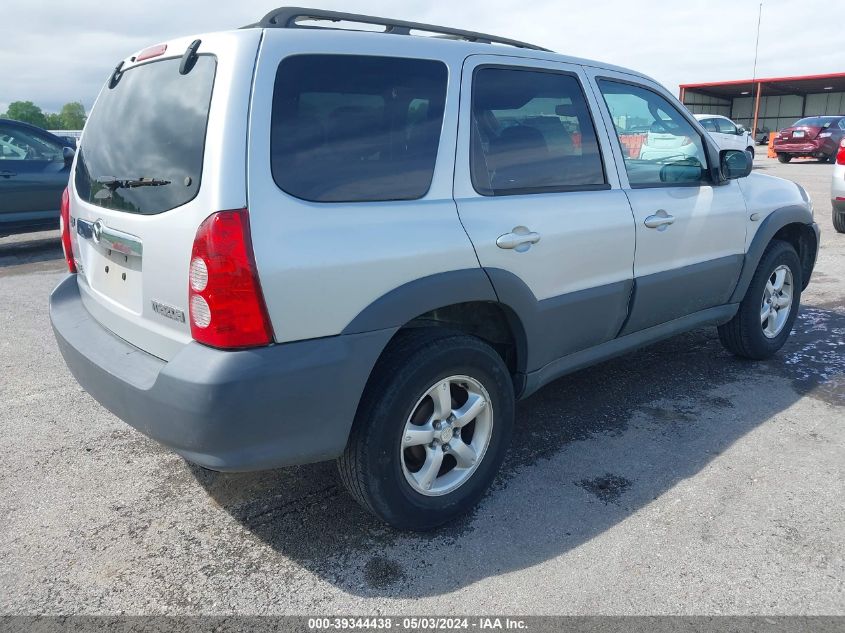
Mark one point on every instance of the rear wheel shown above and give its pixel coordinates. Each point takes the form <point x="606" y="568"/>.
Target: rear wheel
<point x="432" y="429"/>
<point x="839" y="221"/>
<point x="832" y="157"/>
<point x="784" y="158"/>
<point x="766" y="314"/>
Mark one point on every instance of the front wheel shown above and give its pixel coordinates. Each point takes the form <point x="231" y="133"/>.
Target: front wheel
<point x="767" y="312"/>
<point x="431" y="431"/>
<point x="750" y="150"/>
<point x="784" y="158"/>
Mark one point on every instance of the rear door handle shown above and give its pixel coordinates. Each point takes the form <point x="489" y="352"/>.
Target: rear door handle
<point x="519" y="239"/>
<point x="7" y="174"/>
<point x="660" y="220"/>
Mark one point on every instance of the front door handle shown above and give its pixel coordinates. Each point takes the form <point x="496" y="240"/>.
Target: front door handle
<point x="660" y="220"/>
<point x="7" y="174"/>
<point x="519" y="239"/>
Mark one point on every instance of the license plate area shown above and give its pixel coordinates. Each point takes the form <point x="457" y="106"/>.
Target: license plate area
<point x="112" y="264"/>
<point x="798" y="134"/>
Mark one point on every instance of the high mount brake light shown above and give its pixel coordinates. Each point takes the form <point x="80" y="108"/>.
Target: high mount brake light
<point x="153" y="51"/>
<point x="226" y="306"/>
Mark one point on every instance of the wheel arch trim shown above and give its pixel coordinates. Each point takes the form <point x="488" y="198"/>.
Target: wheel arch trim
<point x="774" y="222"/>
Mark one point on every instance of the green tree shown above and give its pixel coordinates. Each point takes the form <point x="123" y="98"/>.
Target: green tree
<point x="54" y="121"/>
<point x="73" y="116"/>
<point x="27" y="112"/>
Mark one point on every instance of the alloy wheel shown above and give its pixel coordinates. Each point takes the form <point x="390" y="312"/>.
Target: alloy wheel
<point x="446" y="435"/>
<point x="777" y="301"/>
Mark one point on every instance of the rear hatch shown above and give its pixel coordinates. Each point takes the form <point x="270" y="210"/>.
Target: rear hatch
<point x="803" y="130"/>
<point x="163" y="149"/>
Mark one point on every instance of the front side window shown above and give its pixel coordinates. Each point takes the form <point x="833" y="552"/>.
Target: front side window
<point x="659" y="145"/>
<point x="349" y="128"/>
<point x="726" y="126"/>
<point x="20" y="144"/>
<point x="531" y="133"/>
<point x="709" y="125"/>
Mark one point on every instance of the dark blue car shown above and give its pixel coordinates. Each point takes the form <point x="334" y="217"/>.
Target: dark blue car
<point x="34" y="167"/>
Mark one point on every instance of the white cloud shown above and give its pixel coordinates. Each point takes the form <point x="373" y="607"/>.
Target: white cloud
<point x="56" y="52"/>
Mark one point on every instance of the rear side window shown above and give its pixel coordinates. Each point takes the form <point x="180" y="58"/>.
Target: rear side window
<point x="709" y="125"/>
<point x="142" y="150"/>
<point x="349" y="128"/>
<point x="531" y="133"/>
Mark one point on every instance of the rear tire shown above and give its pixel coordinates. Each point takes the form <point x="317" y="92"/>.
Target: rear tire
<point x="784" y="158"/>
<point x="839" y="221"/>
<point x="413" y="459"/>
<point x="759" y="329"/>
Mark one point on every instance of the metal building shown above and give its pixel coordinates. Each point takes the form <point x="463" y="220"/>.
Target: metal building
<point x="772" y="103"/>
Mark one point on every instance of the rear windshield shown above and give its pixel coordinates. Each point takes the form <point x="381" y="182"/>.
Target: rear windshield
<point x="349" y="128"/>
<point x="815" y="121"/>
<point x="142" y="149"/>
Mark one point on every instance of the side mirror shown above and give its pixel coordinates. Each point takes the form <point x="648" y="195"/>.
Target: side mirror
<point x="734" y="163"/>
<point x="740" y="130"/>
<point x="68" y="153"/>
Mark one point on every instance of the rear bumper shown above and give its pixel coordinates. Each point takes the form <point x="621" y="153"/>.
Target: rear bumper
<point x="224" y="410"/>
<point x="806" y="148"/>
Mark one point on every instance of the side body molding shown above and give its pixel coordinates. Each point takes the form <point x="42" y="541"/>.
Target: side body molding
<point x="775" y="221"/>
<point x="558" y="326"/>
<point x="544" y="330"/>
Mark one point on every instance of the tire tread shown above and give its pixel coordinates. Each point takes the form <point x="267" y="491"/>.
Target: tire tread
<point x="735" y="335"/>
<point x="353" y="463"/>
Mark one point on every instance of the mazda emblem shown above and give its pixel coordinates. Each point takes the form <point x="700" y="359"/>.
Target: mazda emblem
<point x="97" y="230"/>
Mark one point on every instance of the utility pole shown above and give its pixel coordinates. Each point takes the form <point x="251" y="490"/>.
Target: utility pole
<point x="754" y="75"/>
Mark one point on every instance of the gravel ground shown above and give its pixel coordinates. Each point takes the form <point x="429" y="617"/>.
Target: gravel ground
<point x="675" y="480"/>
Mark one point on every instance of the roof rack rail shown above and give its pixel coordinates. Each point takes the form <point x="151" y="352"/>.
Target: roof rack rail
<point x="289" y="17"/>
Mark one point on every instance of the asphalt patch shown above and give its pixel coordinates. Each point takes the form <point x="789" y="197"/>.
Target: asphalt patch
<point x="609" y="487"/>
<point x="381" y="572"/>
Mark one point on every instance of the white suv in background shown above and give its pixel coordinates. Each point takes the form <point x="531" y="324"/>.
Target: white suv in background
<point x="295" y="244"/>
<point x="726" y="133"/>
<point x="837" y="189"/>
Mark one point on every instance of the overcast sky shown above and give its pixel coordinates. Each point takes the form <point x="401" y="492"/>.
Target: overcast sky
<point x="53" y="52"/>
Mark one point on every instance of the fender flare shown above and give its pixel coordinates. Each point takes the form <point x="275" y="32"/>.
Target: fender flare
<point x="774" y="222"/>
<point x="408" y="301"/>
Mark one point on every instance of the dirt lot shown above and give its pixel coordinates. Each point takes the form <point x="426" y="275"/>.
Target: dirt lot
<point x="674" y="480"/>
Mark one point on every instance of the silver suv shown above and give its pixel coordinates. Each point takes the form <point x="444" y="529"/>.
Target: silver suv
<point x="291" y="244"/>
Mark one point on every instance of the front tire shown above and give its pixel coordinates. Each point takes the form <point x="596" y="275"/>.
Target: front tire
<point x="750" y="149"/>
<point x="767" y="312"/>
<point x="784" y="158"/>
<point x="432" y="429"/>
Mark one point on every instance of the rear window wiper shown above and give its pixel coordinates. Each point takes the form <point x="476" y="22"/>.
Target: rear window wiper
<point x="130" y="183"/>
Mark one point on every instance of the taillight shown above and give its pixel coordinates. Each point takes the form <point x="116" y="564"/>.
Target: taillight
<point x="64" y="226"/>
<point x="225" y="303"/>
<point x="840" y="155"/>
